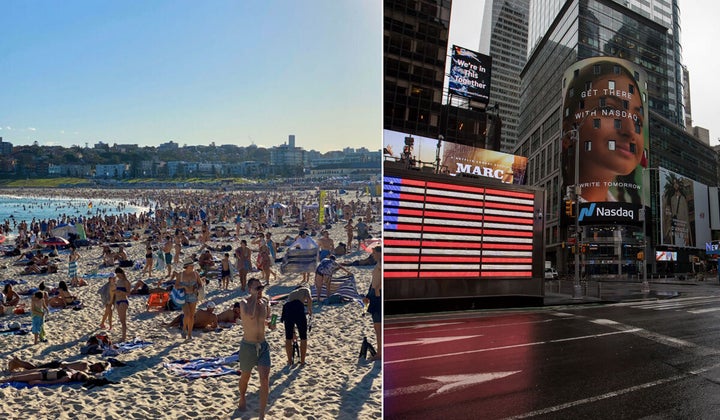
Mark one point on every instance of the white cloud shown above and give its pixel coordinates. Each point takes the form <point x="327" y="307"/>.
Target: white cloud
<point x="8" y="127"/>
<point x="62" y="131"/>
<point x="32" y="128"/>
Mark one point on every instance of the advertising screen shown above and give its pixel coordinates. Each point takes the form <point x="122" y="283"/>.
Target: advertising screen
<point x="685" y="214"/>
<point x="435" y="229"/>
<point x="665" y="256"/>
<point x="604" y="119"/>
<point x="457" y="158"/>
<point x="470" y="74"/>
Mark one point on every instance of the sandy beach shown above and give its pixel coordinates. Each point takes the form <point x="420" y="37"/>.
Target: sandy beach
<point x="334" y="384"/>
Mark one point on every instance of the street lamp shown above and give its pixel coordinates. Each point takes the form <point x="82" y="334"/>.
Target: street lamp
<point x="575" y="138"/>
<point x="645" y="283"/>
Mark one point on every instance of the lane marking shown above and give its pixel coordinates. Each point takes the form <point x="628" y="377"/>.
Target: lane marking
<point x="613" y="394"/>
<point x="467" y="327"/>
<point x="702" y="311"/>
<point x="537" y="343"/>
<point x="447" y="383"/>
<point x="431" y="340"/>
<point x="418" y="326"/>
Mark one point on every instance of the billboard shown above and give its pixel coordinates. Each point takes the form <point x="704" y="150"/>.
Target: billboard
<point x="685" y="210"/>
<point x="434" y="229"/>
<point x="470" y="74"/>
<point x="456" y="158"/>
<point x="604" y="119"/>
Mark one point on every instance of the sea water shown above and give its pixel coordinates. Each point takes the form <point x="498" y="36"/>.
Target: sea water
<point x="15" y="208"/>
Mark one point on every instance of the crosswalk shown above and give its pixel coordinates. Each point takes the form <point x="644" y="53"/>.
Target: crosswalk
<point x="692" y="305"/>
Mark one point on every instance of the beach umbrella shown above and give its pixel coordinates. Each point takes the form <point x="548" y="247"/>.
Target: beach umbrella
<point x="64" y="231"/>
<point x="55" y="241"/>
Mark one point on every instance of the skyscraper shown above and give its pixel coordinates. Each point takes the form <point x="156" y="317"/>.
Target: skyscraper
<point x="505" y="27"/>
<point x="646" y="33"/>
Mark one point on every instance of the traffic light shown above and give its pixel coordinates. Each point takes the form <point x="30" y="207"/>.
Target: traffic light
<point x="569" y="208"/>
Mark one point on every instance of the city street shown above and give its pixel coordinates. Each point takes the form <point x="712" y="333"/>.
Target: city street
<point x="658" y="358"/>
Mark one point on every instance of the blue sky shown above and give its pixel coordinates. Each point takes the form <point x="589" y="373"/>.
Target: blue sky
<point x="232" y="72"/>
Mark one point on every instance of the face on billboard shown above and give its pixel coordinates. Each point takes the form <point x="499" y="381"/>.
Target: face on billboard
<point x="604" y="114"/>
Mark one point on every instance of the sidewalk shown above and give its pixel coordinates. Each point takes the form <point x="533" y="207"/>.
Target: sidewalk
<point x="608" y="290"/>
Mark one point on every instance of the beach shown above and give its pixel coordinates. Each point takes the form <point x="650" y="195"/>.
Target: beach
<point x="334" y="383"/>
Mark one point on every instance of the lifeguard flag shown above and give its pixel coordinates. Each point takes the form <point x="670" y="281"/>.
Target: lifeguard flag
<point x="321" y="207"/>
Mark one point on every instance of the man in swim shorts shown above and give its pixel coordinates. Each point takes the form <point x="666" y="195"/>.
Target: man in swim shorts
<point x="254" y="350"/>
<point x="167" y="252"/>
<point x="293" y="313"/>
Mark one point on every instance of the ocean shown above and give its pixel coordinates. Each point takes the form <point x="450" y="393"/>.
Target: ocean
<point x="16" y="209"/>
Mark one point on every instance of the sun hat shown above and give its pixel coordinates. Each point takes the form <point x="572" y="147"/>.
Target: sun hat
<point x="188" y="261"/>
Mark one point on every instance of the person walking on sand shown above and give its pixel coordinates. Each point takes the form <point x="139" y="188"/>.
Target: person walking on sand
<point x="243" y="257"/>
<point x="120" y="297"/>
<point x="73" y="266"/>
<point x="38" y="309"/>
<point x="106" y="294"/>
<point x="148" y="260"/>
<point x="374" y="301"/>
<point x="254" y="350"/>
<point x="225" y="271"/>
<point x="293" y="314"/>
<point x="190" y="281"/>
<point x="167" y="252"/>
<point x="349" y="230"/>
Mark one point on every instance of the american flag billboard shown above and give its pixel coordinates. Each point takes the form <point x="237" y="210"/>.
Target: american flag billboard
<point x="435" y="229"/>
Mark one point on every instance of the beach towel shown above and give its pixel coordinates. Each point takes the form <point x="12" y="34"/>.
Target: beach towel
<point x="203" y="368"/>
<point x="12" y="282"/>
<point x="299" y="261"/>
<point x="126" y="347"/>
<point x="342" y="287"/>
<point x="17" y="328"/>
<point x="96" y="276"/>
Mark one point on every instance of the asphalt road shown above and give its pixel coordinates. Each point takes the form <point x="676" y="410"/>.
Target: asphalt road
<point x="645" y="359"/>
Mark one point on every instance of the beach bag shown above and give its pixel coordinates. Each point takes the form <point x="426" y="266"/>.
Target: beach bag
<point x="177" y="296"/>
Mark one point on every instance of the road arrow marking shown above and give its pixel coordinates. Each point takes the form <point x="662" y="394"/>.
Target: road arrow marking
<point x="418" y="326"/>
<point x="443" y="384"/>
<point x="431" y="340"/>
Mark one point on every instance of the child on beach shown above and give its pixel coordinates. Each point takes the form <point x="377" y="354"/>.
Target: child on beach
<point x="225" y="271"/>
<point x="38" y="309"/>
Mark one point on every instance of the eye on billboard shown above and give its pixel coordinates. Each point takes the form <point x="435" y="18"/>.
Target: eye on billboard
<point x="604" y="119"/>
<point x="470" y="74"/>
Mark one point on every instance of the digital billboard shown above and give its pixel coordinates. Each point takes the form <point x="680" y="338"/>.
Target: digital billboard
<point x="437" y="229"/>
<point x="604" y="119"/>
<point x="457" y="158"/>
<point x="470" y="74"/>
<point x="684" y="214"/>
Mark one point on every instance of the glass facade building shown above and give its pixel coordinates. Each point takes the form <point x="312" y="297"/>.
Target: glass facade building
<point x="646" y="33"/>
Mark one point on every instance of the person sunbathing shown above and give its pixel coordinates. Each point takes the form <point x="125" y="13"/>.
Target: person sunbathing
<point x="231" y="315"/>
<point x="47" y="377"/>
<point x="11" y="297"/>
<point x="204" y="318"/>
<point x="64" y="297"/>
<point x="16" y="364"/>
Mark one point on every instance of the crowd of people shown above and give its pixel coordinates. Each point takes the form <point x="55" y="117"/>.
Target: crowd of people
<point x="179" y="221"/>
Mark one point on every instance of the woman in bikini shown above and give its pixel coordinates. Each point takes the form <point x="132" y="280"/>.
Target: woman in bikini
<point x="64" y="298"/>
<point x="122" y="290"/>
<point x="189" y="281"/>
<point x="48" y="377"/>
<point x="148" y="260"/>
